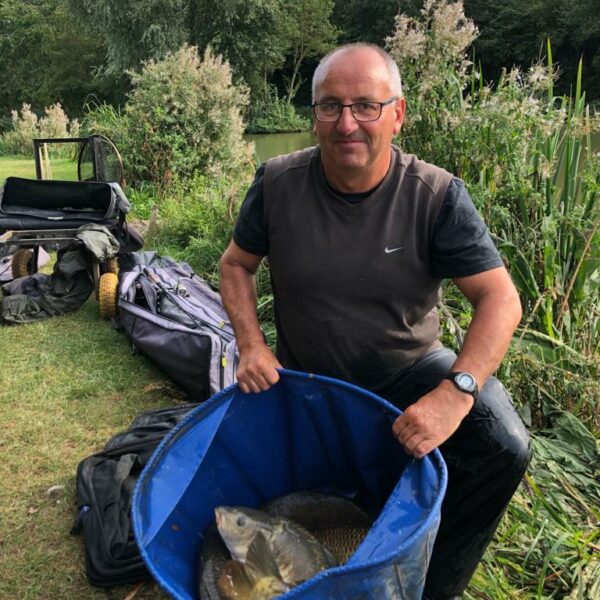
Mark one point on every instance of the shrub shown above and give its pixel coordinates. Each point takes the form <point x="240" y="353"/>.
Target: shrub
<point x="183" y="118"/>
<point x="526" y="158"/>
<point x="197" y="216"/>
<point x="26" y="126"/>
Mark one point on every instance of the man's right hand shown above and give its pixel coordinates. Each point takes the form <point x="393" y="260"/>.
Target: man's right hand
<point x="257" y="370"/>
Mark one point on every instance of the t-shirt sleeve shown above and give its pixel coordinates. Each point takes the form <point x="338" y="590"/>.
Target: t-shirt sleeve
<point x="250" y="231"/>
<point x="461" y="244"/>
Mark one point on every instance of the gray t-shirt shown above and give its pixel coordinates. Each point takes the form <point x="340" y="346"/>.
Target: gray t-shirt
<point x="461" y="244"/>
<point x="356" y="277"/>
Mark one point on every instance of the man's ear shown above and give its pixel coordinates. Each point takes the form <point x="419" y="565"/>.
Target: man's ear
<point x="400" y="108"/>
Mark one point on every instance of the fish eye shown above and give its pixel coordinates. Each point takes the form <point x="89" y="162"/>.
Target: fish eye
<point x="240" y="522"/>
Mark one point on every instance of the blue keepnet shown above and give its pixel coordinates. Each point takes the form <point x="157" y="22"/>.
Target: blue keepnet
<point x="305" y="433"/>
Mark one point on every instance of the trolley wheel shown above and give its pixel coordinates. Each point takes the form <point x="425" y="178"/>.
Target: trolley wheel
<point x="107" y="295"/>
<point x="111" y="265"/>
<point x="22" y="263"/>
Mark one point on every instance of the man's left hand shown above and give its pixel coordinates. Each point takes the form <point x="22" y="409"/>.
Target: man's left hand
<point x="432" y="419"/>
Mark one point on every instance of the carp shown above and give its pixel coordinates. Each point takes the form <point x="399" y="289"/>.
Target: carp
<point x="276" y="553"/>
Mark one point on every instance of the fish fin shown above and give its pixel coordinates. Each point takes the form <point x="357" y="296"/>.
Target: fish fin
<point x="259" y="559"/>
<point x="267" y="588"/>
<point x="233" y="582"/>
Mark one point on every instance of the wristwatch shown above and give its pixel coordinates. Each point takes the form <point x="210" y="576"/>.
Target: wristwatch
<point x="465" y="382"/>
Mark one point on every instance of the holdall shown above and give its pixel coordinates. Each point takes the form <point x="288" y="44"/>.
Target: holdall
<point x="178" y="320"/>
<point x="105" y="483"/>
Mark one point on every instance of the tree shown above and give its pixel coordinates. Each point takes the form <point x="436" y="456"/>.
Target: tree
<point x="46" y="56"/>
<point x="310" y="34"/>
<point x="135" y="30"/>
<point x="250" y="34"/>
<point x="513" y="33"/>
<point x="368" y="21"/>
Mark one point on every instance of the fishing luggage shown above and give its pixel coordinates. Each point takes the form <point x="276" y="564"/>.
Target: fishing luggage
<point x="175" y="318"/>
<point x="105" y="483"/>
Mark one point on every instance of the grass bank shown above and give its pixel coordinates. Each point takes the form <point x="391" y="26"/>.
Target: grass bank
<point x="11" y="166"/>
<point x="68" y="384"/>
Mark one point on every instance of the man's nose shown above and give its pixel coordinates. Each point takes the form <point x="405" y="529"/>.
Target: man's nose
<point x="346" y="123"/>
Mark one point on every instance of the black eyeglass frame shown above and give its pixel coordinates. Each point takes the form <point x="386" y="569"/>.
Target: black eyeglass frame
<point x="351" y="106"/>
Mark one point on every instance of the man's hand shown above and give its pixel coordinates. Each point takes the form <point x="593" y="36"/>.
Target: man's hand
<point x="257" y="370"/>
<point x="432" y="419"/>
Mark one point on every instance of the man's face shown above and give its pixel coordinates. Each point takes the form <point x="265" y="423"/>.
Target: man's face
<point x="349" y="145"/>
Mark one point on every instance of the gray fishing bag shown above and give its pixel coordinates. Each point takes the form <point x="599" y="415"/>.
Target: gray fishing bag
<point x="176" y="319"/>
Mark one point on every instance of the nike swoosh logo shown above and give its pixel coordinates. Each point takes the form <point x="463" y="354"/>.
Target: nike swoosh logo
<point x="390" y="250"/>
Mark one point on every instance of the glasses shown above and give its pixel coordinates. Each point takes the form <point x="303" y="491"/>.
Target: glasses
<point x="330" y="112"/>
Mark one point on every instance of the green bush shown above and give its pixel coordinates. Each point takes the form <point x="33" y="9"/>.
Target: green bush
<point x="197" y="217"/>
<point x="183" y="118"/>
<point x="271" y="114"/>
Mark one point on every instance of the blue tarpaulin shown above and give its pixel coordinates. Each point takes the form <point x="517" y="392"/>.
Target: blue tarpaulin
<point x="305" y="433"/>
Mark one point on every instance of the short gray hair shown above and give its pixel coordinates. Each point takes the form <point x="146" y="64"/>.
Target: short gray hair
<point x="390" y="63"/>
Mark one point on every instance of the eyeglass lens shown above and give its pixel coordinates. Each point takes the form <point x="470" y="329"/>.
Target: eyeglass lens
<point x="362" y="111"/>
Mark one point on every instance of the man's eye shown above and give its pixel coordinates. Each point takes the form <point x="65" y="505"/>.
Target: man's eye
<point x="365" y="107"/>
<point x="330" y="107"/>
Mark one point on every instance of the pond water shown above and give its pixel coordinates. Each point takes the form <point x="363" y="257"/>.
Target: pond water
<point x="272" y="144"/>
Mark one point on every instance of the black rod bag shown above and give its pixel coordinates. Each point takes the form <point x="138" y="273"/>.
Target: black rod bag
<point x="105" y="483"/>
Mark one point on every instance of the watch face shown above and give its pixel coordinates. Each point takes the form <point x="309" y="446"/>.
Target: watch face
<point x="466" y="382"/>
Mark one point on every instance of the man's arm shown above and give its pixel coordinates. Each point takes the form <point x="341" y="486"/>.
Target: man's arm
<point x="257" y="368"/>
<point x="431" y="420"/>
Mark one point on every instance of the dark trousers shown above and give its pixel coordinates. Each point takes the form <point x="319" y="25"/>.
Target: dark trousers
<point x="486" y="458"/>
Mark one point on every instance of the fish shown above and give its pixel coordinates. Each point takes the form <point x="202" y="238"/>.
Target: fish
<point x="339" y="523"/>
<point x="341" y="541"/>
<point x="269" y="546"/>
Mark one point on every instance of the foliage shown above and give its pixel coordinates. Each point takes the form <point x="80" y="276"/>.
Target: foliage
<point x="250" y="34"/>
<point x="364" y="21"/>
<point x="196" y="218"/>
<point x="513" y="32"/>
<point x="270" y="114"/>
<point x="256" y="37"/>
<point x="182" y="118"/>
<point x="315" y="37"/>
<point x="48" y="56"/>
<point x="548" y="545"/>
<point x="135" y="30"/>
<point x="26" y="126"/>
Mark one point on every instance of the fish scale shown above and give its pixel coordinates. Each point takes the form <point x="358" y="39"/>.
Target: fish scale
<point x="341" y="541"/>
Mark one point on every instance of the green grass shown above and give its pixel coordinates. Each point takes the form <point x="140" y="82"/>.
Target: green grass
<point x="11" y="166"/>
<point x="67" y="385"/>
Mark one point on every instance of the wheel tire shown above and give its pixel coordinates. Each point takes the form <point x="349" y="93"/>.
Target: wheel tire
<point x="111" y="265"/>
<point x="22" y="263"/>
<point x="107" y="295"/>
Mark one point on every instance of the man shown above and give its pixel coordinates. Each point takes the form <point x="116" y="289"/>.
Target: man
<point x="359" y="237"/>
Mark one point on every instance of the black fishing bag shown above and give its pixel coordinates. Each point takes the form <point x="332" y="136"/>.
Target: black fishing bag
<point x="105" y="483"/>
<point x="178" y="320"/>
